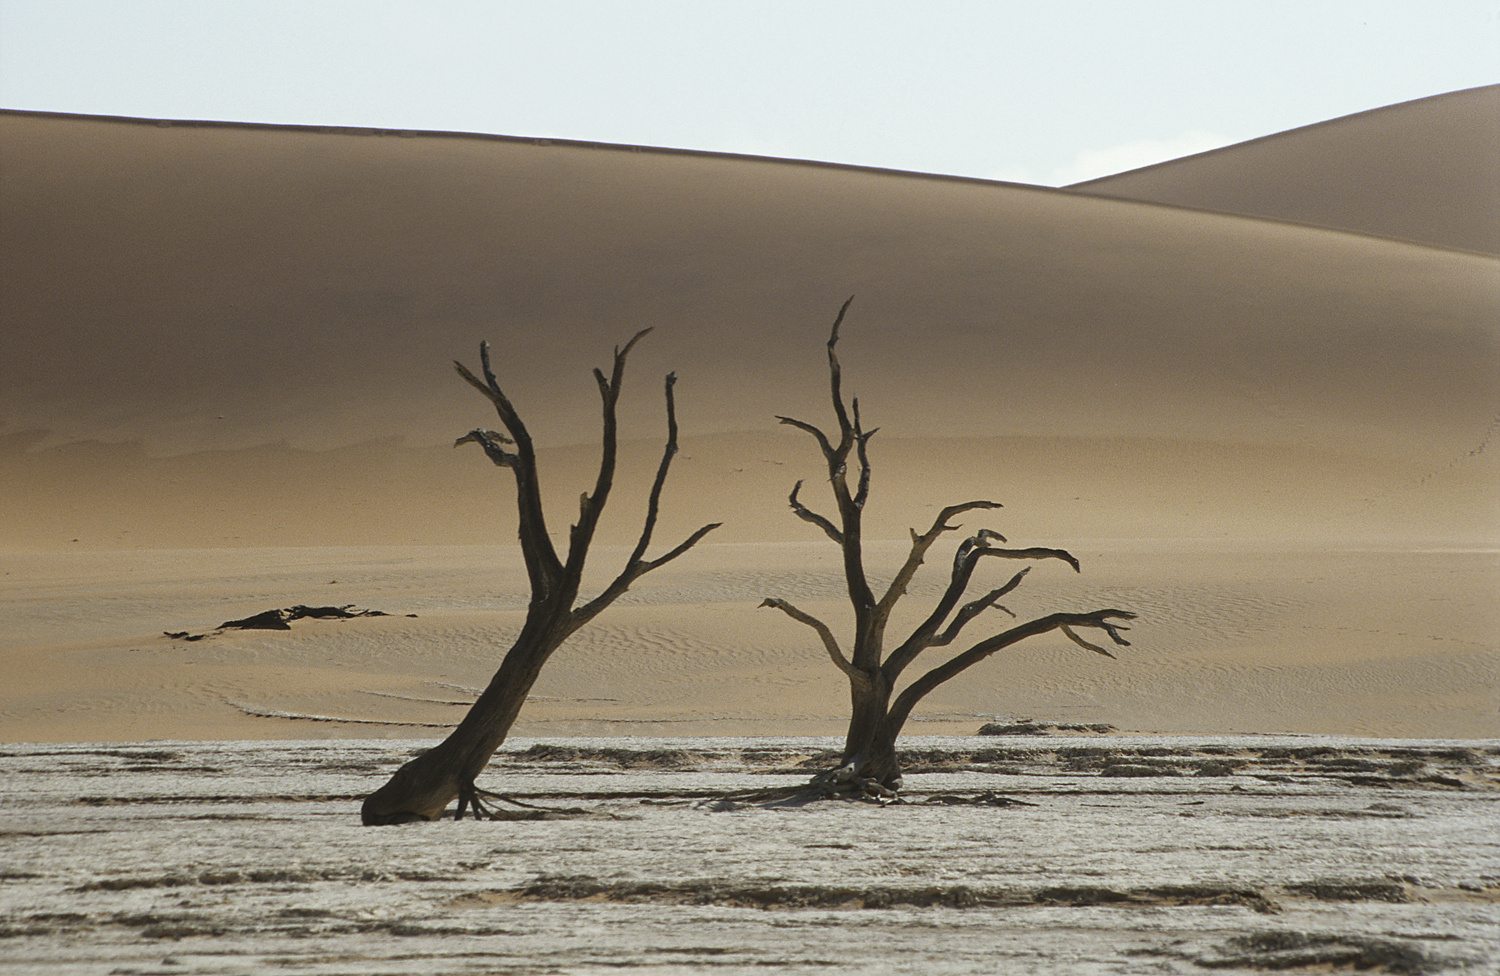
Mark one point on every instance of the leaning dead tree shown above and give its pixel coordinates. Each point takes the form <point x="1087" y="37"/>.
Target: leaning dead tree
<point x="423" y="788"/>
<point x="869" y="767"/>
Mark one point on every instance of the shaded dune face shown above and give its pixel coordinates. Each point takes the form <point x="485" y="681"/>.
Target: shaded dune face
<point x="205" y="321"/>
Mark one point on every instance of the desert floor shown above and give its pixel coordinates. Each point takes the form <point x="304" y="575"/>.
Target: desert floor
<point x="1100" y="854"/>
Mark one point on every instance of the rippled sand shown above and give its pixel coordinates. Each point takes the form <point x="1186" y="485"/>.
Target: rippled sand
<point x="1229" y="639"/>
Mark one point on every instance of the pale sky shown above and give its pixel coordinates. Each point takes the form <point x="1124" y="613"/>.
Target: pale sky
<point x="1038" y="91"/>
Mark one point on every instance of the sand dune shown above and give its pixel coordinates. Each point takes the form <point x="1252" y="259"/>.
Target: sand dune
<point x="226" y="384"/>
<point x="1426" y="171"/>
<point x="295" y="293"/>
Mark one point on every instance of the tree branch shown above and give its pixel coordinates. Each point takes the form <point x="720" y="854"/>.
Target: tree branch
<point x="653" y="501"/>
<point x="592" y="505"/>
<point x="1100" y="619"/>
<point x="919" y="546"/>
<point x="636" y="565"/>
<point x="835" y="374"/>
<point x="965" y="560"/>
<point x="807" y="515"/>
<point x="1034" y="553"/>
<point x="492" y="442"/>
<point x="630" y="574"/>
<point x="829" y="641"/>
<point x="822" y="438"/>
<point x="836" y="456"/>
<point x="974" y="608"/>
<point x="848" y="532"/>
<point x="542" y="564"/>
<point x="681" y="548"/>
<point x="490" y="387"/>
<point x="862" y="451"/>
<point x="1112" y="631"/>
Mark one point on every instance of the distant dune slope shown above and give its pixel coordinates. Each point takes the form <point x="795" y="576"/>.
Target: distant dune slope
<point x="1426" y="171"/>
<point x="203" y="323"/>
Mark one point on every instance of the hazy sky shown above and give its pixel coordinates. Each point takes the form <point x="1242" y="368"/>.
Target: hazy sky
<point x="1041" y="91"/>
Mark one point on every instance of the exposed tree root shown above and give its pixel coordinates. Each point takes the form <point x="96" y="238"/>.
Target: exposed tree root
<point x="844" y="784"/>
<point x="989" y="798"/>
<point x="471" y="799"/>
<point x="835" y="784"/>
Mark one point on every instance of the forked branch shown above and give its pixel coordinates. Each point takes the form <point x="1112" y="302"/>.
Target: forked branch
<point x="591" y="506"/>
<point x="964" y="562"/>
<point x="543" y="566"/>
<point x="808" y="515"/>
<point x="637" y="565"/>
<point x="1097" y="619"/>
<point x="921" y="543"/>
<point x="974" y="608"/>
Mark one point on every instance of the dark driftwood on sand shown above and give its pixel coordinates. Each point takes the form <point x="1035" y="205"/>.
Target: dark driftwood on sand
<point x="282" y="619"/>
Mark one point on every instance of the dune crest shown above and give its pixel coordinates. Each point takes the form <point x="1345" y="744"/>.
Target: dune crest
<point x="1426" y="171"/>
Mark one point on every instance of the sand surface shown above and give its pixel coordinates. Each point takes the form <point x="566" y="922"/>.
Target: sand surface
<point x="1250" y="639"/>
<point x="226" y="388"/>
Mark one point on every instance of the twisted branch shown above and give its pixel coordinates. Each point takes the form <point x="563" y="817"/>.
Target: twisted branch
<point x="492" y="442"/>
<point x="919" y="546"/>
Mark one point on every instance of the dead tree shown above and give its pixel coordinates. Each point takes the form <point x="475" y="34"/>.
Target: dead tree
<point x="869" y="767"/>
<point x="423" y="788"/>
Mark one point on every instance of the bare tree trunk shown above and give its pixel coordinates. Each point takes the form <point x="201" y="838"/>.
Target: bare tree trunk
<point x="423" y="787"/>
<point x="869" y="767"/>
<point x="869" y="748"/>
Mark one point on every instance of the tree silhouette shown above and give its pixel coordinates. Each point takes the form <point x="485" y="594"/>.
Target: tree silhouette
<point x="423" y="787"/>
<point x="869" y="767"/>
